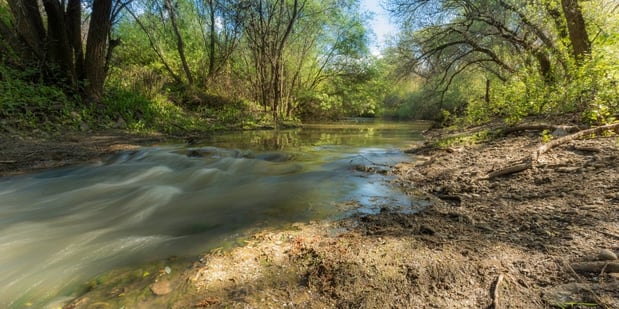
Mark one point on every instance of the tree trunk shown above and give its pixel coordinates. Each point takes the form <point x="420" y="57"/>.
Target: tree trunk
<point x="96" y="47"/>
<point x="59" y="51"/>
<point x="29" y="26"/>
<point x="74" y="31"/>
<point x="213" y="37"/>
<point x="577" y="30"/>
<point x="545" y="66"/>
<point x="487" y="94"/>
<point x="179" y="42"/>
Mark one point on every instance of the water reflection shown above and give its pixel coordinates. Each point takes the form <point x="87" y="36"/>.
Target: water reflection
<point x="59" y="228"/>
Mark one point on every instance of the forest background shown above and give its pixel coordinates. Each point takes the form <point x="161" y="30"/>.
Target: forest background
<point x="178" y="66"/>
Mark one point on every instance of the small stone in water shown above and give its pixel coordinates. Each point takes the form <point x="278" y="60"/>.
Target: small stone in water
<point x="167" y="270"/>
<point x="161" y="288"/>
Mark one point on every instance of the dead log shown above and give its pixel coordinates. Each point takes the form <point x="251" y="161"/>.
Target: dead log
<point x="596" y="267"/>
<point x="527" y="163"/>
<point x="539" y="127"/>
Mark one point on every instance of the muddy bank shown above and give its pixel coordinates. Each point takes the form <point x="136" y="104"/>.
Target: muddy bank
<point x="22" y="152"/>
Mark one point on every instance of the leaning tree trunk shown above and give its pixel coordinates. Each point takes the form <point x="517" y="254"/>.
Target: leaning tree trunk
<point x="180" y="46"/>
<point x="96" y="47"/>
<point x="576" y="29"/>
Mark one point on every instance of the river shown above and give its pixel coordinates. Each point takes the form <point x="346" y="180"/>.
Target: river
<point x="61" y="227"/>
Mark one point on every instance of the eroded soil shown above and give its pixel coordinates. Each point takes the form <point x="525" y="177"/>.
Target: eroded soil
<point x="518" y="241"/>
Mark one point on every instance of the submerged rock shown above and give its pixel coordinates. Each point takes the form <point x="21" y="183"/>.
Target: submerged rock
<point x="161" y="288"/>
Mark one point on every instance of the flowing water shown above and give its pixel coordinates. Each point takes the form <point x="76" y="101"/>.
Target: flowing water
<point x="61" y="227"/>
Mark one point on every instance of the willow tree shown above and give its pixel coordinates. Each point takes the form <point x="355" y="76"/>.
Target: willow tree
<point x="268" y="28"/>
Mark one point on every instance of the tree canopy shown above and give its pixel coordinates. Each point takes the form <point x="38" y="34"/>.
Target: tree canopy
<point x="535" y="56"/>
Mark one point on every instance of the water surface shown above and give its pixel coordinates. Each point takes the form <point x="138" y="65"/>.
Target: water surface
<point x="61" y="227"/>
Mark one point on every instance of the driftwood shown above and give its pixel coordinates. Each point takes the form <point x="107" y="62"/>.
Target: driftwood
<point x="596" y="267"/>
<point x="539" y="127"/>
<point x="529" y="162"/>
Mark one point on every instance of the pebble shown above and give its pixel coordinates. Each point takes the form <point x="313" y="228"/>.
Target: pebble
<point x="606" y="255"/>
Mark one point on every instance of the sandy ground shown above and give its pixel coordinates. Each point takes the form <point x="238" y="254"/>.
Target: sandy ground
<point x="546" y="237"/>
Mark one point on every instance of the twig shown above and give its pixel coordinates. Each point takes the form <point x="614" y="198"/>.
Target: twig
<point x="510" y="170"/>
<point x="495" y="292"/>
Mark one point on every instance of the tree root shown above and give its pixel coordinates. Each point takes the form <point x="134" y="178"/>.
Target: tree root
<point x="529" y="162"/>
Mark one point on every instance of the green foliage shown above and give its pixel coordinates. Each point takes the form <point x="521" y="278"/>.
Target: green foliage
<point x="137" y="113"/>
<point x="546" y="136"/>
<point x="526" y="51"/>
<point x="28" y="105"/>
<point x="360" y="91"/>
<point x="589" y="89"/>
<point x="420" y="99"/>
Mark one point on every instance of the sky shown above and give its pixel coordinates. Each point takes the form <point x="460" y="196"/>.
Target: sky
<point x="380" y="24"/>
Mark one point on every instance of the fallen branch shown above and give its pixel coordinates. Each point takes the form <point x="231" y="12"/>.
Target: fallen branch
<point x="527" y="163"/>
<point x="562" y="140"/>
<point x="596" y="267"/>
<point x="539" y="127"/>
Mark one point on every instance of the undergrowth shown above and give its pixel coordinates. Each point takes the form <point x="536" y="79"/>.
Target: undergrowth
<point x="27" y="105"/>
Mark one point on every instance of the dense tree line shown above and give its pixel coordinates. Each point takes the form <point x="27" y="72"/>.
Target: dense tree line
<point x="280" y="60"/>
<point x="286" y="56"/>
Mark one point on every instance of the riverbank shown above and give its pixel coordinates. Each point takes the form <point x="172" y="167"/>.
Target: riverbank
<point x="541" y="237"/>
<point x="23" y="152"/>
